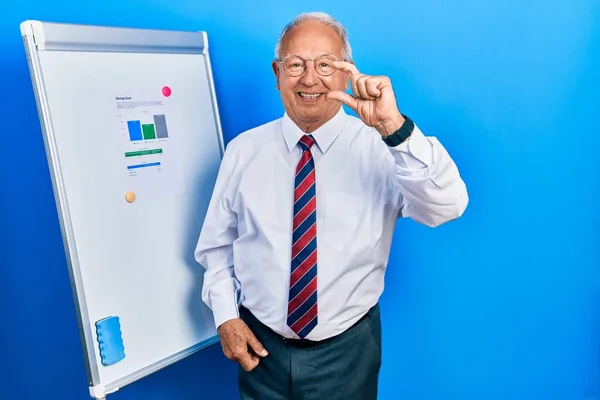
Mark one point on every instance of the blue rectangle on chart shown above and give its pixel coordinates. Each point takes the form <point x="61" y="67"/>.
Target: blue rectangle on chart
<point x="154" y="164"/>
<point x="110" y="340"/>
<point x="135" y="130"/>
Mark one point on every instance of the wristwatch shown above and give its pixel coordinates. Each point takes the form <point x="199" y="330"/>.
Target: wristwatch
<point x="401" y="134"/>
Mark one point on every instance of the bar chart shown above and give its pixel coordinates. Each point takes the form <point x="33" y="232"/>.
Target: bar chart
<point x="147" y="128"/>
<point x="148" y="131"/>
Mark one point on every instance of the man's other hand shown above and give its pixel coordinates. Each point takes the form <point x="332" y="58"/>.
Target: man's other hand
<point x="239" y="344"/>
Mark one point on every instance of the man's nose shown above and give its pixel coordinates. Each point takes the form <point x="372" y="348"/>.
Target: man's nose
<point x="310" y="76"/>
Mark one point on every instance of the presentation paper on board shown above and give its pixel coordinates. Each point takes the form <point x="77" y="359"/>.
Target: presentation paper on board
<point x="150" y="152"/>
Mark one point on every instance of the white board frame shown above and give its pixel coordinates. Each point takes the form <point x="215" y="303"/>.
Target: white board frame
<point x="42" y="36"/>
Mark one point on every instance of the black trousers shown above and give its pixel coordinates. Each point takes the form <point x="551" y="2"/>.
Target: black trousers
<point x="345" y="367"/>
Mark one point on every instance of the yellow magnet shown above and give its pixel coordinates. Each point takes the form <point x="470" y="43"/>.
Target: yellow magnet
<point x="130" y="197"/>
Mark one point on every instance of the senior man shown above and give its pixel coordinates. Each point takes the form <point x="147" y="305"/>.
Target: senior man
<point x="298" y="231"/>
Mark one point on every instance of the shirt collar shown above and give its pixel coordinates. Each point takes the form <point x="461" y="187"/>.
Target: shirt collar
<point x="324" y="136"/>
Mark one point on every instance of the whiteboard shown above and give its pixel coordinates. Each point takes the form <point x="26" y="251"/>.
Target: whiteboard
<point x="133" y="140"/>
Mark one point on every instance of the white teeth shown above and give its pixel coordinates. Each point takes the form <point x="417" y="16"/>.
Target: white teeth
<point x="311" y="96"/>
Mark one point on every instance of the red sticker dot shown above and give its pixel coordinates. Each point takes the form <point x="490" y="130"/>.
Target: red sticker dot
<point x="166" y="91"/>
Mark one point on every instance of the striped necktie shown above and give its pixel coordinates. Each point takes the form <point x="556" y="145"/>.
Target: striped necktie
<point x="302" y="303"/>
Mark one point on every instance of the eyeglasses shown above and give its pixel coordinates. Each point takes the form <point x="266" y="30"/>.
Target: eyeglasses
<point x="295" y="65"/>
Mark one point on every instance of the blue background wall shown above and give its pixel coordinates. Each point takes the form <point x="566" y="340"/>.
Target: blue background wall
<point x="502" y="304"/>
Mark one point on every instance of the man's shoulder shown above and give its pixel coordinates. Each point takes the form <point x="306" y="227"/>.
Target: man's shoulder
<point x="363" y="131"/>
<point x="256" y="136"/>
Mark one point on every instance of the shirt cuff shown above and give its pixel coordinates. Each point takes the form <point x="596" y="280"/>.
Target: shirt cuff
<point x="224" y="302"/>
<point x="414" y="153"/>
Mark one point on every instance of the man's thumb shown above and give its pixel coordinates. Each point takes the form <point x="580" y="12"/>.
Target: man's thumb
<point x="257" y="346"/>
<point x="344" y="98"/>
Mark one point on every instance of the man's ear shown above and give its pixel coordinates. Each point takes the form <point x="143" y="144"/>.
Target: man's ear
<point x="276" y="71"/>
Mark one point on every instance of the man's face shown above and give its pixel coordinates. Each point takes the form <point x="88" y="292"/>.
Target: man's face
<point x="305" y="97"/>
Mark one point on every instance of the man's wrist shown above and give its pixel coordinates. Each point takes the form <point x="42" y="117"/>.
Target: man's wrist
<point x="401" y="134"/>
<point x="386" y="128"/>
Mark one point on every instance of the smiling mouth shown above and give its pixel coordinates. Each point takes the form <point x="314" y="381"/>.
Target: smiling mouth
<point x="310" y="96"/>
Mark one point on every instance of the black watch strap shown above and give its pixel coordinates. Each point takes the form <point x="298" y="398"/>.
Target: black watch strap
<point x="401" y="134"/>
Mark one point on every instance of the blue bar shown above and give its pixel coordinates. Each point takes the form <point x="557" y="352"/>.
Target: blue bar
<point x="135" y="130"/>
<point x="154" y="164"/>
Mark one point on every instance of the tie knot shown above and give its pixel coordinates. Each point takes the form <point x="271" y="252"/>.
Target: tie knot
<point x="306" y="142"/>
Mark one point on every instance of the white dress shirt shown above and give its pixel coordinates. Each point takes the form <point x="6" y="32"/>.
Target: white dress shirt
<point x="362" y="187"/>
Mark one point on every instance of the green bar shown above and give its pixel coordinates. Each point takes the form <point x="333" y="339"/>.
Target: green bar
<point x="143" y="153"/>
<point x="149" y="132"/>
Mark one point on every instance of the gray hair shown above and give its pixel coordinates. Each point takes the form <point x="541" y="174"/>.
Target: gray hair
<point x="324" y="19"/>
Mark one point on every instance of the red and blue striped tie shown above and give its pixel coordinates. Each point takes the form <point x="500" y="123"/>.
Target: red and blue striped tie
<point x="302" y="305"/>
